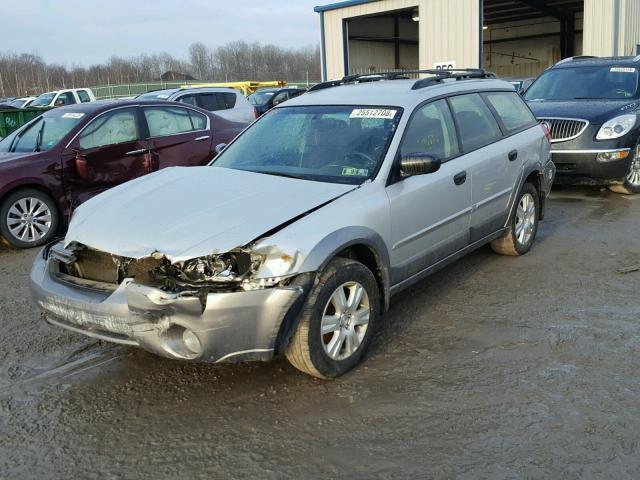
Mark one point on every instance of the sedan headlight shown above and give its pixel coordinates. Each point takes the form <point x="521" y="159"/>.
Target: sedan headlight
<point x="616" y="127"/>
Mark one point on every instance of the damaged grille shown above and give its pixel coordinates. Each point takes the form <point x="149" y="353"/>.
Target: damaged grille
<point x="103" y="267"/>
<point x="213" y="273"/>
<point x="563" y="129"/>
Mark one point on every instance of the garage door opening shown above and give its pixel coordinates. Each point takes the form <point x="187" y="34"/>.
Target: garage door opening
<point x="521" y="38"/>
<point x="381" y="43"/>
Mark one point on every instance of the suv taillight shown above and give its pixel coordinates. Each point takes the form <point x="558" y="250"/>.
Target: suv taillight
<point x="546" y="130"/>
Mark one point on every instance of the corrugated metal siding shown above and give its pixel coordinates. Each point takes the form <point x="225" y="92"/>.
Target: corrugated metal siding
<point x="598" y="27"/>
<point x="629" y="27"/>
<point x="333" y="29"/>
<point x="449" y="30"/>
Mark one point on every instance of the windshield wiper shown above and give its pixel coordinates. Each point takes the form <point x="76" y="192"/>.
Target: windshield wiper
<point x="589" y="98"/>
<point x="280" y="174"/>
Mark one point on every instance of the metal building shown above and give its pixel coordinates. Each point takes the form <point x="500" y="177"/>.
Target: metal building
<point x="509" y="37"/>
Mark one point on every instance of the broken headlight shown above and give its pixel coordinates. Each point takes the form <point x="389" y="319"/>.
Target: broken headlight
<point x="210" y="271"/>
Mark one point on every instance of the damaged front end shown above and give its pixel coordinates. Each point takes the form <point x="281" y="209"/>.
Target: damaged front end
<point x="211" y="308"/>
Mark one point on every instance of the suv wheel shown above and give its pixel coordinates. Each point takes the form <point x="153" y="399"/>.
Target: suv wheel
<point x="524" y="224"/>
<point x="28" y="218"/>
<point x="337" y="321"/>
<point x="631" y="183"/>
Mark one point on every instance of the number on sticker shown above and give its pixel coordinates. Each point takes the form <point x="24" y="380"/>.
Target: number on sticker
<point x="384" y="113"/>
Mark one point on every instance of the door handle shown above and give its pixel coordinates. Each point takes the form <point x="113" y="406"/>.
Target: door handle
<point x="460" y="178"/>
<point x="201" y="139"/>
<point x="140" y="151"/>
<point x="513" y="154"/>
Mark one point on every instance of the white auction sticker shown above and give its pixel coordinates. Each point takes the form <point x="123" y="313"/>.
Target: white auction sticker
<point x="623" y="69"/>
<point x="385" y="113"/>
<point x="72" y="115"/>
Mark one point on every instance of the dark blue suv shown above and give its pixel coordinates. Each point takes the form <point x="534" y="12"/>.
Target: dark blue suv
<point x="591" y="106"/>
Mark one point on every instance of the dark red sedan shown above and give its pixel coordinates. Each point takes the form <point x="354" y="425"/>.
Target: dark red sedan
<point x="69" y="154"/>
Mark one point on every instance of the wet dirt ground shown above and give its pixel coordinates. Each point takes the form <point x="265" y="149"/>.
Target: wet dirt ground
<point x="494" y="368"/>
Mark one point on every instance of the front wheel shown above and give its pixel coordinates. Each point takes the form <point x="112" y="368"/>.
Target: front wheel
<point x="631" y="182"/>
<point x="337" y="320"/>
<point x="28" y="218"/>
<point x="524" y="224"/>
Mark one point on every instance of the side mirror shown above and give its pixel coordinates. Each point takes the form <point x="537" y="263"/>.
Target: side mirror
<point x="220" y="147"/>
<point x="59" y="103"/>
<point x="418" y="164"/>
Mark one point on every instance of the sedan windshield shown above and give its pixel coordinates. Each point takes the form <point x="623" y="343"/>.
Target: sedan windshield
<point x="43" y="100"/>
<point x="158" y="94"/>
<point x="336" y="144"/>
<point x="42" y="134"/>
<point x="585" y="83"/>
<point x="260" y="98"/>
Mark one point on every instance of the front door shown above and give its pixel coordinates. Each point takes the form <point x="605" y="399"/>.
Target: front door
<point x="106" y="153"/>
<point x="178" y="136"/>
<point x="429" y="213"/>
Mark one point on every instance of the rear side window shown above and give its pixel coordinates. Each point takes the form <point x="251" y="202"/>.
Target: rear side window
<point x="198" y="120"/>
<point x="431" y="131"/>
<point x="164" y="121"/>
<point x="111" y="128"/>
<point x="511" y="109"/>
<point x="476" y="123"/>
<point x="217" y="101"/>
<point x="83" y="96"/>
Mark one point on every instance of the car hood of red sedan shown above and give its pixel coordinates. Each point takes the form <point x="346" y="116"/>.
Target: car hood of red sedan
<point x="189" y="212"/>
<point x="8" y="156"/>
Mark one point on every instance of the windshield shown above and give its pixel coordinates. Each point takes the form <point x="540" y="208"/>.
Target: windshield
<point x="585" y="83"/>
<point x="43" y="100"/>
<point x="335" y="144"/>
<point x="260" y="98"/>
<point x="43" y="133"/>
<point x="17" y="103"/>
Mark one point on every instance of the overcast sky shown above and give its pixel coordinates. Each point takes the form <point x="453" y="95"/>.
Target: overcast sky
<point x="84" y="32"/>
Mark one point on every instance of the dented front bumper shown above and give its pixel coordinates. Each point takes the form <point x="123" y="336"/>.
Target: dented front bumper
<point x="233" y="326"/>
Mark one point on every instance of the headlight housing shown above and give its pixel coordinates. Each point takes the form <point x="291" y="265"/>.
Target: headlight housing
<point x="616" y="127"/>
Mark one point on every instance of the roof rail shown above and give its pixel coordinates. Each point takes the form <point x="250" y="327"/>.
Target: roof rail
<point x="577" y="57"/>
<point x="437" y="76"/>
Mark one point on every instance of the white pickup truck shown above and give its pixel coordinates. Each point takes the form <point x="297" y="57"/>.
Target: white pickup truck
<point x="68" y="96"/>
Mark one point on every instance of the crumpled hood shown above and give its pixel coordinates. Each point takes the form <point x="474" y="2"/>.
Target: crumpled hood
<point x="595" y="111"/>
<point x="188" y="212"/>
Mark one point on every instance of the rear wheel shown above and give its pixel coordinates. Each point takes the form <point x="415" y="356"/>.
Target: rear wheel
<point x="337" y="320"/>
<point x="631" y="182"/>
<point x="524" y="224"/>
<point x="28" y="218"/>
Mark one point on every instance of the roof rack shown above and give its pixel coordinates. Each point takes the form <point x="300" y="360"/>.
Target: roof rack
<point x="437" y="76"/>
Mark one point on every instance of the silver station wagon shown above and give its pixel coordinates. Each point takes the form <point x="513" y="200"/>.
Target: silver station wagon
<point x="294" y="239"/>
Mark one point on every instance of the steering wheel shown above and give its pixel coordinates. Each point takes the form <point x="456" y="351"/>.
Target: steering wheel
<point x="363" y="160"/>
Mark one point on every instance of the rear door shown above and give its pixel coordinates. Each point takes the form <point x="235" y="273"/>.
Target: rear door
<point x="493" y="170"/>
<point x="178" y="136"/>
<point x="430" y="213"/>
<point x="107" y="152"/>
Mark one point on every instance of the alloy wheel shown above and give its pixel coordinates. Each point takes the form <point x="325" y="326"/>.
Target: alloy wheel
<point x="525" y="219"/>
<point x="633" y="177"/>
<point x="345" y="320"/>
<point x="29" y="219"/>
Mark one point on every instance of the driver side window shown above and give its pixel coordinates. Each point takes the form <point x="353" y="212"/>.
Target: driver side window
<point x="111" y="128"/>
<point x="431" y="131"/>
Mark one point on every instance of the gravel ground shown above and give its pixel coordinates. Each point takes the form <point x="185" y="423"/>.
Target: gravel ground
<point x="496" y="367"/>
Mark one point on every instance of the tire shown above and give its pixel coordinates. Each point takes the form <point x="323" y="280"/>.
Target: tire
<point x="337" y="351"/>
<point x="28" y="218"/>
<point x="631" y="183"/>
<point x="518" y="241"/>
